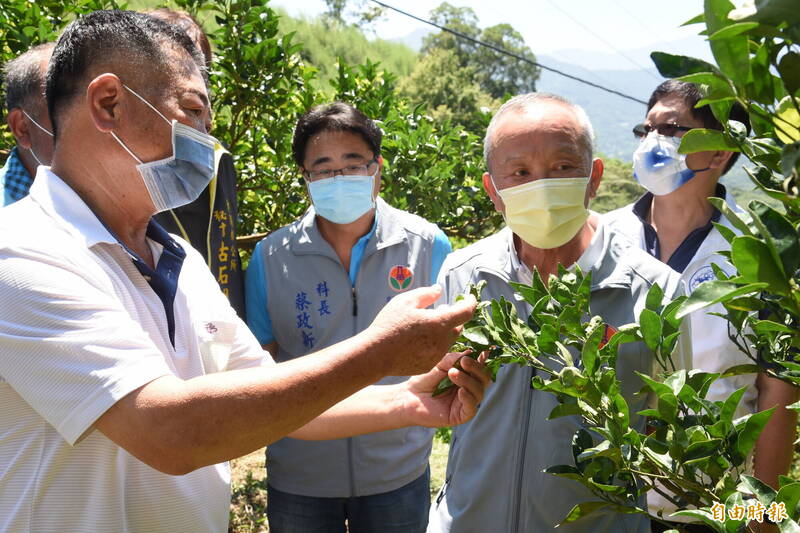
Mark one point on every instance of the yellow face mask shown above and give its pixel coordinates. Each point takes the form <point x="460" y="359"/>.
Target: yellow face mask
<point x="548" y="212"/>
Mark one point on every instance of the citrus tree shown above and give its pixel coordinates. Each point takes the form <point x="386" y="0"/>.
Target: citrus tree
<point x="757" y="51"/>
<point x="693" y="452"/>
<point x="260" y="86"/>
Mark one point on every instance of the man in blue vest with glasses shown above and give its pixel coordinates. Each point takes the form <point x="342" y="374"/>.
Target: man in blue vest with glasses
<point x="323" y="279"/>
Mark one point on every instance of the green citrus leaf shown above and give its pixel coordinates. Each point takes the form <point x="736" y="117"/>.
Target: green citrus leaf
<point x="704" y="140"/>
<point x="716" y="291"/>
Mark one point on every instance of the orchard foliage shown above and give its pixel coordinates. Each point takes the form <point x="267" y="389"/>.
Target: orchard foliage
<point x="260" y="85"/>
<point x="694" y="451"/>
<point x="498" y="75"/>
<point x="757" y="48"/>
<point x="431" y="168"/>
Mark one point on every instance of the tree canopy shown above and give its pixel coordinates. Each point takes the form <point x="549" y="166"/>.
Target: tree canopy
<point x="497" y="74"/>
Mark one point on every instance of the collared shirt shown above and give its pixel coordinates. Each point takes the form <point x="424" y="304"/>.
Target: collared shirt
<point x="169" y="256"/>
<point x="588" y="259"/>
<point x="82" y="328"/>
<point x="15" y="178"/>
<point x="684" y="253"/>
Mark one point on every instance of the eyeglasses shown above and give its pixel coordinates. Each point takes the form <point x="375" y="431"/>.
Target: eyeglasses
<point x="351" y="170"/>
<point x="666" y="129"/>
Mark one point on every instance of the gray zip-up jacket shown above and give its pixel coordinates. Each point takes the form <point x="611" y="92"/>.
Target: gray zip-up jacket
<point x="495" y="479"/>
<point x="313" y="304"/>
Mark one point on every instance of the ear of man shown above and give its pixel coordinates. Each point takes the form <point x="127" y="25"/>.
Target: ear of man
<point x="104" y="96"/>
<point x="719" y="159"/>
<point x="596" y="177"/>
<point x="20" y="127"/>
<point x="491" y="190"/>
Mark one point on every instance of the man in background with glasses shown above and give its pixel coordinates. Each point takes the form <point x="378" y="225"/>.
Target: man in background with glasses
<point x="674" y="222"/>
<point x="321" y="280"/>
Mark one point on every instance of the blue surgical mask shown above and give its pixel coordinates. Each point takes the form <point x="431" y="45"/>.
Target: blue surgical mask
<point x="342" y="199"/>
<point x="179" y="179"/>
<point x="658" y="166"/>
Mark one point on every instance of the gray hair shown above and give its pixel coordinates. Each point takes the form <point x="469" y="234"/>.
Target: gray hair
<point x="24" y="76"/>
<point x="525" y="101"/>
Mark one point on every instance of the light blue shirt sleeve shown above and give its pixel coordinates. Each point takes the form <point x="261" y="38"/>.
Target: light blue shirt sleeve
<point x="441" y="248"/>
<point x="357" y="253"/>
<point x="6" y="198"/>
<point x="255" y="297"/>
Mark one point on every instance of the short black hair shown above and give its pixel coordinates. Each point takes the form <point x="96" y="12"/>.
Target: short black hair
<point x="110" y="37"/>
<point x="691" y="94"/>
<point x="24" y="78"/>
<point x="337" y="116"/>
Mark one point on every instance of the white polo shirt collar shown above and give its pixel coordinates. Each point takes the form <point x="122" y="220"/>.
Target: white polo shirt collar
<point x="591" y="257"/>
<point x="63" y="204"/>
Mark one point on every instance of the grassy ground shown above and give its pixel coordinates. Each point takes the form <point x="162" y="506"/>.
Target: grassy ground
<point x="249" y="499"/>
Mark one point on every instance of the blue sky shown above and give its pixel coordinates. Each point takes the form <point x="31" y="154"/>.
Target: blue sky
<point x="622" y="29"/>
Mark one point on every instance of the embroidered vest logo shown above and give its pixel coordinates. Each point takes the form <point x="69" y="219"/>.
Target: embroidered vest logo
<point x="702" y="275"/>
<point x="400" y="278"/>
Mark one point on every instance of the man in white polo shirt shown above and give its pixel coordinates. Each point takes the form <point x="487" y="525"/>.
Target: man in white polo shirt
<point x="125" y="376"/>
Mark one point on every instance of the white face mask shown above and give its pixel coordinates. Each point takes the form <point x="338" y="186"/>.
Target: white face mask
<point x="658" y="166"/>
<point x="546" y="213"/>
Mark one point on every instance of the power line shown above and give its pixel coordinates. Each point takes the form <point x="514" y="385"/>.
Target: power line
<point x="554" y="54"/>
<point x="510" y="54"/>
<point x="642" y="24"/>
<point x="599" y="38"/>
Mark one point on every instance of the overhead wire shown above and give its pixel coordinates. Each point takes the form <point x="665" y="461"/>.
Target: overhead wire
<point x="642" y="24"/>
<point x="601" y="39"/>
<point x="510" y="54"/>
<point x="593" y="75"/>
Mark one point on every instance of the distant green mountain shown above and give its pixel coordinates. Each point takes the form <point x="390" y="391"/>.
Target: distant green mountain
<point x="323" y="44"/>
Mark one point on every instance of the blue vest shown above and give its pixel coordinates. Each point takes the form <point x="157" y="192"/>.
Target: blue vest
<point x="313" y="304"/>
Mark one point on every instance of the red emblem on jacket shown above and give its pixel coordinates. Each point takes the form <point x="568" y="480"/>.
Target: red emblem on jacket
<point x="400" y="278"/>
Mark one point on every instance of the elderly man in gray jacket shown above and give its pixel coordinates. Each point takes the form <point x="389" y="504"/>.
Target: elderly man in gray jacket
<point x="541" y="176"/>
